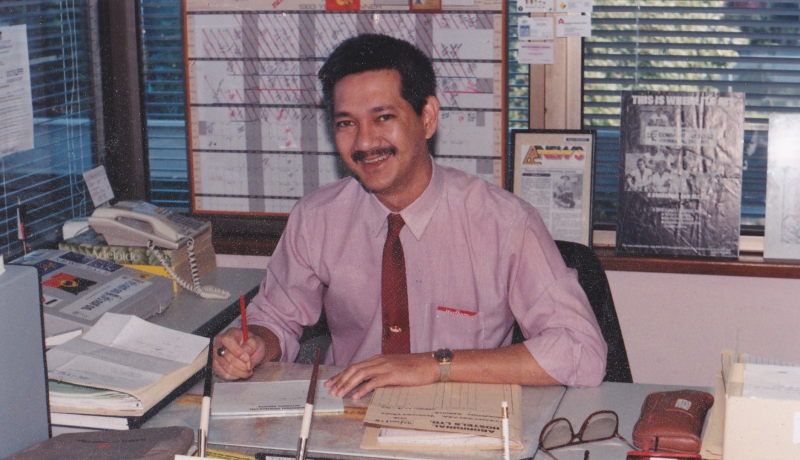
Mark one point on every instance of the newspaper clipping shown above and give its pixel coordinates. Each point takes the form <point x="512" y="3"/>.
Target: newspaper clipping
<point x="552" y="172"/>
<point x="681" y="173"/>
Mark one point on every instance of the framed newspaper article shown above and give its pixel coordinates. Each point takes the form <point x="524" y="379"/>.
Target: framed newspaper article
<point x="553" y="171"/>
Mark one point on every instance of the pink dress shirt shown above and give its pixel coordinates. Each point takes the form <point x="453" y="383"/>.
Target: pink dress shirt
<point x="477" y="258"/>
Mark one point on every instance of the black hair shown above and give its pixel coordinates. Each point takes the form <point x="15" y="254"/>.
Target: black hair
<point x="367" y="52"/>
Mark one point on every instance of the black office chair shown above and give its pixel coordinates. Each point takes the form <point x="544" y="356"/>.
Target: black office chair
<point x="592" y="278"/>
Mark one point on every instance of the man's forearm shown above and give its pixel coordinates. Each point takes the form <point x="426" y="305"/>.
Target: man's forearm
<point x="271" y="342"/>
<point x="512" y="364"/>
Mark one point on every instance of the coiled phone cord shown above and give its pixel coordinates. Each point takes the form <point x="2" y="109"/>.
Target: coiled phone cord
<point x="205" y="292"/>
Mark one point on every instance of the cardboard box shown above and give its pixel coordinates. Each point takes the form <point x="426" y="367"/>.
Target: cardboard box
<point x="755" y="427"/>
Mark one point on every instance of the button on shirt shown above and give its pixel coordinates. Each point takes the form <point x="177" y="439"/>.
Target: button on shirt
<point x="477" y="258"/>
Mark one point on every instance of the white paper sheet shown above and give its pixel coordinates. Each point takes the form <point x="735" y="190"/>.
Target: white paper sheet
<point x="270" y="399"/>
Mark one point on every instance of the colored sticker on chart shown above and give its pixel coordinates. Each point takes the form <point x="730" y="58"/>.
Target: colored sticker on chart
<point x="69" y="283"/>
<point x="342" y="5"/>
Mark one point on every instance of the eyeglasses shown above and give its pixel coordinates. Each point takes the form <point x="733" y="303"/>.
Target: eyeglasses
<point x="599" y="426"/>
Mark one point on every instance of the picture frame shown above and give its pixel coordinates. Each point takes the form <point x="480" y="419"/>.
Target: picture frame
<point x="553" y="170"/>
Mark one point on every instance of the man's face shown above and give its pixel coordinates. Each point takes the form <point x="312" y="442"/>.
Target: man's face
<point x="380" y="137"/>
<point x="640" y="165"/>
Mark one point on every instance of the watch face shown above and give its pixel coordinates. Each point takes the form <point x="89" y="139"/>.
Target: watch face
<point x="443" y="355"/>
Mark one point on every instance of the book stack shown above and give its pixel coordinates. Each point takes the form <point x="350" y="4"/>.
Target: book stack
<point x="121" y="373"/>
<point x="93" y="244"/>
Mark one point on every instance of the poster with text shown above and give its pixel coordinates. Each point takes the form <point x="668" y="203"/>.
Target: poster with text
<point x="680" y="184"/>
<point x="553" y="172"/>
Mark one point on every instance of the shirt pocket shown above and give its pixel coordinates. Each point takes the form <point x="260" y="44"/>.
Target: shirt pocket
<point x="456" y="329"/>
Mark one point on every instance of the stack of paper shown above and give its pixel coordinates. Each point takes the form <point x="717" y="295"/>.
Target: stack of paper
<point x="269" y="399"/>
<point x="77" y="396"/>
<point x="128" y="364"/>
<point x="443" y="416"/>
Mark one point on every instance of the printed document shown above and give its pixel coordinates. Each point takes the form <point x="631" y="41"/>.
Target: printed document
<point x="454" y="407"/>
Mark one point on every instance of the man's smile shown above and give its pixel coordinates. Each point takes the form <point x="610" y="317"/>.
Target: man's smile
<point x="374" y="155"/>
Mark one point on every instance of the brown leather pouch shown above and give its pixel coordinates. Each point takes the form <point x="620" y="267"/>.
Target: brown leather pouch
<point x="672" y="421"/>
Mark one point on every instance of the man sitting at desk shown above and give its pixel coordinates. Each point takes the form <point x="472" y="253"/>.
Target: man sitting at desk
<point x="469" y="260"/>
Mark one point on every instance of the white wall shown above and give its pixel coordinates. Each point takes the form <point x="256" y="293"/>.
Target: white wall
<point x="675" y="326"/>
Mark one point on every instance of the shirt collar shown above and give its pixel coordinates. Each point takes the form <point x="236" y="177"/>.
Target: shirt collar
<point x="418" y="214"/>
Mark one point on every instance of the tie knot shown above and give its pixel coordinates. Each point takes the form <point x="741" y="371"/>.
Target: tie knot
<point x="396" y="223"/>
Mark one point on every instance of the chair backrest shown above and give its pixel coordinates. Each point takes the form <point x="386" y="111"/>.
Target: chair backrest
<point x="592" y="278"/>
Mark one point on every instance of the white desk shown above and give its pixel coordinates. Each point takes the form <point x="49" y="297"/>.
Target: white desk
<point x="190" y="313"/>
<point x="339" y="436"/>
<point x="623" y="398"/>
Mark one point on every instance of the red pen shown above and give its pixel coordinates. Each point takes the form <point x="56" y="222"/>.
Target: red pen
<point x="244" y="316"/>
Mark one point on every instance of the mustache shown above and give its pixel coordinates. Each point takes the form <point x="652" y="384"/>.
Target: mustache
<point x="359" y="155"/>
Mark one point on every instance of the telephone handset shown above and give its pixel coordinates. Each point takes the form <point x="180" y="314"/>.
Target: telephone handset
<point x="134" y="223"/>
<point x="139" y="223"/>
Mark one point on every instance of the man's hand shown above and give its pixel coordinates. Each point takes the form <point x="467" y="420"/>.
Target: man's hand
<point x="239" y="357"/>
<point x="383" y="370"/>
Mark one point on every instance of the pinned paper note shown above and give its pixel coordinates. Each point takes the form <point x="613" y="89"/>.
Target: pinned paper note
<point x="574" y="6"/>
<point x="98" y="185"/>
<point x="574" y="26"/>
<point x="535" y="6"/>
<point x="536" y="53"/>
<point x="535" y="29"/>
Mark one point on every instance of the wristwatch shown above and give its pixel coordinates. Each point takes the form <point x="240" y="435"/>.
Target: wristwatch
<point x="445" y="357"/>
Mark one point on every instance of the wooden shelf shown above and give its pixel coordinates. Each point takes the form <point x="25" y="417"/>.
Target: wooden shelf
<point x="746" y="265"/>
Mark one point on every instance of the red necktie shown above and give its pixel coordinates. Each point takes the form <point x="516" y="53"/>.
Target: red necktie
<point x="394" y="292"/>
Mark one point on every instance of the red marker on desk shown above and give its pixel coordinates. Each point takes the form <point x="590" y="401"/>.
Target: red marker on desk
<point x="244" y="317"/>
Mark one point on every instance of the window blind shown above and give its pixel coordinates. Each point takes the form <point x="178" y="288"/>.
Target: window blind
<point x="691" y="45"/>
<point x="165" y="102"/>
<point x="47" y="180"/>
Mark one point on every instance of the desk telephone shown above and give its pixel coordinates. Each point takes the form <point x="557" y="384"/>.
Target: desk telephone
<point x="138" y="223"/>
